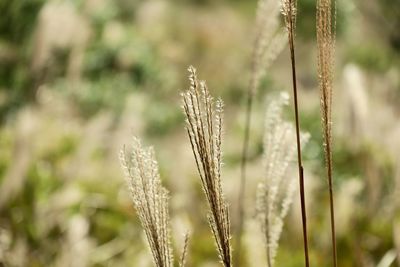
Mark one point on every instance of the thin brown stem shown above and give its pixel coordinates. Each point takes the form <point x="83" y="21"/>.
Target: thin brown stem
<point x="332" y="213"/>
<point x="304" y="217"/>
<point x="297" y="123"/>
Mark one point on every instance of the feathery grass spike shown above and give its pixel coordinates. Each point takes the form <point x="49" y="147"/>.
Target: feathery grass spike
<point x="275" y="193"/>
<point x="269" y="41"/>
<point x="326" y="31"/>
<point x="289" y="12"/>
<point x="182" y="261"/>
<point x="150" y="200"/>
<point x="204" y="128"/>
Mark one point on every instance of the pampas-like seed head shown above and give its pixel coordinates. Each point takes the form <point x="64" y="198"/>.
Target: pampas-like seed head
<point x="182" y="260"/>
<point x="275" y="193"/>
<point x="150" y="200"/>
<point x="204" y="128"/>
<point x="269" y="40"/>
<point x="326" y="28"/>
<point x="326" y="38"/>
<point x="289" y="12"/>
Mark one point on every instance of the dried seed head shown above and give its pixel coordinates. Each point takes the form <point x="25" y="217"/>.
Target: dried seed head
<point x="204" y="128"/>
<point x="289" y="12"/>
<point x="150" y="200"/>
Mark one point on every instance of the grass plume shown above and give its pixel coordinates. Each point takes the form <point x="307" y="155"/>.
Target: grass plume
<point x="275" y="192"/>
<point x="204" y="128"/>
<point x="326" y="31"/>
<point x="150" y="200"/>
<point x="268" y="43"/>
<point x="182" y="260"/>
<point x="289" y="12"/>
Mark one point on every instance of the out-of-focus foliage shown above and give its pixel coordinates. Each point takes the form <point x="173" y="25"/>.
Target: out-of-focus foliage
<point x="391" y="14"/>
<point x="17" y="23"/>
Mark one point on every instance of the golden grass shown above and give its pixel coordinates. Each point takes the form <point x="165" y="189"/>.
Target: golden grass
<point x="326" y="31"/>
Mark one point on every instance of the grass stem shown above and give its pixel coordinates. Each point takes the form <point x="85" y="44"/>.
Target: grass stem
<point x="291" y="32"/>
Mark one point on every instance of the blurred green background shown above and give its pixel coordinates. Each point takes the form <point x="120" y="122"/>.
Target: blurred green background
<point x="79" y="77"/>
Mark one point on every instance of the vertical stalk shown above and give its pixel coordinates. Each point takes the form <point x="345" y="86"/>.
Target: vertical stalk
<point x="326" y="37"/>
<point x="331" y="208"/>
<point x="242" y="185"/>
<point x="268" y="43"/>
<point x="296" y="111"/>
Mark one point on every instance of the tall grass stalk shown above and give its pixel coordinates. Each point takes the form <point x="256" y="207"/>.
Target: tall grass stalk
<point x="326" y="38"/>
<point x="268" y="43"/>
<point x="204" y="128"/>
<point x="289" y="11"/>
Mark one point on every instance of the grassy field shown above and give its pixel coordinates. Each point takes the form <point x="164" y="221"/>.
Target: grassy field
<point x="80" y="78"/>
